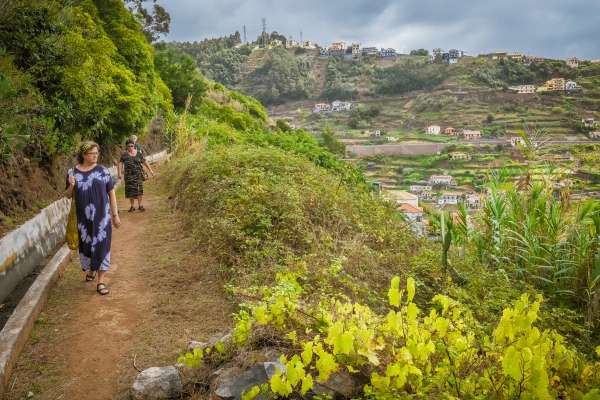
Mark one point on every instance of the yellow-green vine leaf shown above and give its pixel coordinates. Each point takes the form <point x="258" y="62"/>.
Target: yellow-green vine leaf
<point x="251" y="394"/>
<point x="410" y="289"/>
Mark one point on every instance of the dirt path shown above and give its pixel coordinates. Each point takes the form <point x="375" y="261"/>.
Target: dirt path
<point x="162" y="295"/>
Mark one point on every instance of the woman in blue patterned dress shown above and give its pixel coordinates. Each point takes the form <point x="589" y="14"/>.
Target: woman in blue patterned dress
<point x="96" y="206"/>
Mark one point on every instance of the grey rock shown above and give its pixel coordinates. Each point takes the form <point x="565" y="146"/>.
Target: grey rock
<point x="223" y="338"/>
<point x="231" y="383"/>
<point x="157" y="383"/>
<point x="339" y="385"/>
<point x="197" y="345"/>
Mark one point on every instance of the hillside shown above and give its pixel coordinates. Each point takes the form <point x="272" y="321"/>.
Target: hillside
<point x="412" y="93"/>
<point x="329" y="281"/>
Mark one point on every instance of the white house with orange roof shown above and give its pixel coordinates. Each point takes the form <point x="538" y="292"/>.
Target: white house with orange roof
<point x="471" y="135"/>
<point x="414" y="214"/>
<point x="400" y="197"/>
<point x="443" y="179"/>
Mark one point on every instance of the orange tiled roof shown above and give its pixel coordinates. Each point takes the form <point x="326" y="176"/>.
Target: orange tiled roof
<point x="410" y="209"/>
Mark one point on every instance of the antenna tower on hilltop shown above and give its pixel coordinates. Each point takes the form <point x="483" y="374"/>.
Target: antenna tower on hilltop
<point x="301" y="38"/>
<point x="245" y="38"/>
<point x="264" y="32"/>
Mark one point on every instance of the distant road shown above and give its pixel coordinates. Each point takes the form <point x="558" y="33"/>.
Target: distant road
<point x="417" y="148"/>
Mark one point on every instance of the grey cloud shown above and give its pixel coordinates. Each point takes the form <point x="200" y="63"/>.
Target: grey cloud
<point x="552" y="28"/>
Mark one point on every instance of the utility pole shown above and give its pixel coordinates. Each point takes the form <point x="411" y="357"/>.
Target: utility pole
<point x="264" y="32"/>
<point x="301" y="39"/>
<point x="245" y="38"/>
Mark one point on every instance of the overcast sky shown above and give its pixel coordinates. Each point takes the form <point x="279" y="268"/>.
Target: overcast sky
<point x="551" y="28"/>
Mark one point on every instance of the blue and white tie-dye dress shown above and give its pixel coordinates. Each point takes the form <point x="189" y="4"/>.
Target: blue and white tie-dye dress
<point x="93" y="217"/>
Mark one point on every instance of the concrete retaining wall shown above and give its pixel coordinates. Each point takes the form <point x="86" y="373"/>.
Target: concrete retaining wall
<point x="405" y="149"/>
<point x="18" y="327"/>
<point x="29" y="245"/>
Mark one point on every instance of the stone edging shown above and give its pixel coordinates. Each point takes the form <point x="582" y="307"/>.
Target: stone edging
<point x="15" y="333"/>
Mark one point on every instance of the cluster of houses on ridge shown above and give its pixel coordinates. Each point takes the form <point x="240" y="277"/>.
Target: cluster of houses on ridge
<point x="447" y="57"/>
<point x="407" y="202"/>
<point x="467" y="134"/>
<point x="552" y="85"/>
<point x="591" y="125"/>
<point x="437" y="55"/>
<point x="335" y="106"/>
<point x="355" y="51"/>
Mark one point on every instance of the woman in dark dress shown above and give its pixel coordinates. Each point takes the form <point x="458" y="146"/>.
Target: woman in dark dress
<point x="96" y="207"/>
<point x="131" y="166"/>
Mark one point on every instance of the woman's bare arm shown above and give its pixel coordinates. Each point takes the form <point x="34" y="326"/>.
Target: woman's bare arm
<point x="69" y="191"/>
<point x="148" y="166"/>
<point x="113" y="208"/>
<point x="120" y="168"/>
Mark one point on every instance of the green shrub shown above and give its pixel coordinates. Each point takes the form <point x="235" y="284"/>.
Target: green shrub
<point x="261" y="210"/>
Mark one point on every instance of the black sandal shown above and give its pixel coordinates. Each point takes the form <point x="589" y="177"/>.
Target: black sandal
<point x="141" y="208"/>
<point x="102" y="289"/>
<point x="131" y="209"/>
<point x="90" y="276"/>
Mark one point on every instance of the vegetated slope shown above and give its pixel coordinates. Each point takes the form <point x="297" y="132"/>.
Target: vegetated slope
<point x="414" y="93"/>
<point x="69" y="71"/>
<point x="302" y="242"/>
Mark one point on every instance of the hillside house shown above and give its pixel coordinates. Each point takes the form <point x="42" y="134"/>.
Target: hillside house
<point x="448" y="198"/>
<point x="426" y="195"/>
<point x="571" y="86"/>
<point x="338" y="46"/>
<point x="400" y="197"/>
<point x="473" y="201"/>
<point x="556" y="85"/>
<point x="444" y="180"/>
<point x="458" y="156"/>
<point x="291" y="43"/>
<point x="594" y="135"/>
<point x="321" y="108"/>
<point x="371" y="165"/>
<point x="454" y="53"/>
<point x="523" y="89"/>
<point x="450" y="131"/>
<point x="534" y="59"/>
<point x="392" y="139"/>
<point x="375" y="133"/>
<point x="573" y="62"/>
<point x="420" y="188"/>
<point x="413" y="214"/>
<point x="501" y="55"/>
<point x="517" y="140"/>
<point x="589" y="122"/>
<point x="471" y="135"/>
<point x="434" y="130"/>
<point x="355" y="50"/>
<point x="324" y="52"/>
<point x="308" y="44"/>
<point x="389" y="52"/>
<point x="277" y="43"/>
<point x="338" y="105"/>
<point x="370" y="51"/>
<point x="515" y="56"/>
<point x="452" y="56"/>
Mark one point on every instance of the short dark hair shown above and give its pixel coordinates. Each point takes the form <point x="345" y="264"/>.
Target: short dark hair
<point x="129" y="141"/>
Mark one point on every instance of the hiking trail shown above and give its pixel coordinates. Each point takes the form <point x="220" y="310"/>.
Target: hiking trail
<point x="84" y="345"/>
